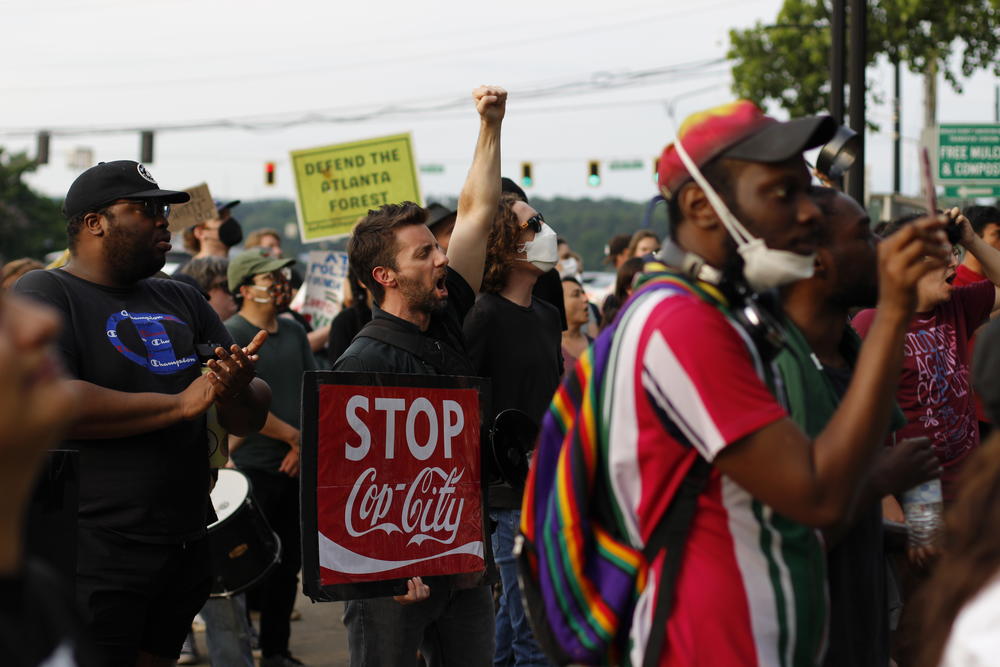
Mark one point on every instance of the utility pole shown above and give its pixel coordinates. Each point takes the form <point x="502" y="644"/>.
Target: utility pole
<point x="837" y="33"/>
<point x="856" y="81"/>
<point x="897" y="132"/>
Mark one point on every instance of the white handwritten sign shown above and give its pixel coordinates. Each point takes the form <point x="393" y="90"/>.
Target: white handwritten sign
<point x="322" y="291"/>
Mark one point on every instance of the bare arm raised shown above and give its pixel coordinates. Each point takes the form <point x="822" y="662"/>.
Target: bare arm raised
<point x="477" y="203"/>
<point x="988" y="256"/>
<point x="815" y="482"/>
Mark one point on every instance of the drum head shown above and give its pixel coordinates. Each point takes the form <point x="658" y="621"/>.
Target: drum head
<point x="229" y="493"/>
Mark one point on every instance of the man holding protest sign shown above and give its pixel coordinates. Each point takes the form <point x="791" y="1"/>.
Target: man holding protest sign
<point x="423" y="294"/>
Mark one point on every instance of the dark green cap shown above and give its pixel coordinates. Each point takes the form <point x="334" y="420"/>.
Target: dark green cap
<point x="251" y="262"/>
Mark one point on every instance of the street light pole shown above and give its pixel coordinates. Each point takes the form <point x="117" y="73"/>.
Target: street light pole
<point x="897" y="132"/>
<point x="837" y="25"/>
<point x="856" y="80"/>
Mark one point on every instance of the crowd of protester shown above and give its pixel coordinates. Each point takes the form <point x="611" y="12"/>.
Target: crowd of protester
<point x="821" y="370"/>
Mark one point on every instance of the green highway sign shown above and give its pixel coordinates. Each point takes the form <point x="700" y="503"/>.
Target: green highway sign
<point x="968" y="154"/>
<point x="627" y="164"/>
<point x="972" y="191"/>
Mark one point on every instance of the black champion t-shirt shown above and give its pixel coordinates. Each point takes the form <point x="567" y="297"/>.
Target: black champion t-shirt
<point x="151" y="486"/>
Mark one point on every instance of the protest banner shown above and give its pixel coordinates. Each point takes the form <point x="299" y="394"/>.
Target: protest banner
<point x="392" y="483"/>
<point x="322" y="291"/>
<point x="198" y="210"/>
<point x="336" y="185"/>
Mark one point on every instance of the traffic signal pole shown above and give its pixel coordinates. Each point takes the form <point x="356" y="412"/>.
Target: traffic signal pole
<point x="857" y="59"/>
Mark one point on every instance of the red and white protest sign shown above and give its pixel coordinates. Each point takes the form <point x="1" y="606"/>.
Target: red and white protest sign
<point x="398" y="488"/>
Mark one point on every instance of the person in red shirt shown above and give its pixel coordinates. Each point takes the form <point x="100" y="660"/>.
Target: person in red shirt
<point x="934" y="390"/>
<point x="985" y="221"/>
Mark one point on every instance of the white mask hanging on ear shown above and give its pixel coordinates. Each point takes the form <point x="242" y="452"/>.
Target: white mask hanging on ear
<point x="763" y="268"/>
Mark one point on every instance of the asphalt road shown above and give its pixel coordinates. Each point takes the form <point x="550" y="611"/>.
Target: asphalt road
<point x="319" y="638"/>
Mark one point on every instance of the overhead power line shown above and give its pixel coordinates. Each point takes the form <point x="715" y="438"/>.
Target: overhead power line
<point x="597" y="82"/>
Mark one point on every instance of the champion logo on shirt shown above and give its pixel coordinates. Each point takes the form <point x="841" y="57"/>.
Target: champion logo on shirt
<point x="160" y="357"/>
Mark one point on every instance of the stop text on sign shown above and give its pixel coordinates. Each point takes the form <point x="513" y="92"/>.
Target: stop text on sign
<point x="449" y="416"/>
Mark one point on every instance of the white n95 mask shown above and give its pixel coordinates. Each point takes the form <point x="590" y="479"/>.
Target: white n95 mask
<point x="763" y="267"/>
<point x="543" y="250"/>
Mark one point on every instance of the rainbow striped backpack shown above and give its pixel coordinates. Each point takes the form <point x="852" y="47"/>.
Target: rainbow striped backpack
<point x="580" y="577"/>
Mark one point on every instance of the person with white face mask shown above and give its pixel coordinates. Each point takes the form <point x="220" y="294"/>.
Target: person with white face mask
<point x="689" y="378"/>
<point x="515" y="339"/>
<point x="270" y="458"/>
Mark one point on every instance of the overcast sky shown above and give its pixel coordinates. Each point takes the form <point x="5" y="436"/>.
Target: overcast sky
<point x="570" y="67"/>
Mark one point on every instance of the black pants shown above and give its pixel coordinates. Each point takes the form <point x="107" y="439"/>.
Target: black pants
<point x="138" y="596"/>
<point x="277" y="495"/>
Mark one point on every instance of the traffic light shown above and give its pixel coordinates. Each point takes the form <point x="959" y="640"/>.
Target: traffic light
<point x="269" y="173"/>
<point x="526" y="179"/>
<point x="42" y="151"/>
<point x="594" y="178"/>
<point x="146" y="147"/>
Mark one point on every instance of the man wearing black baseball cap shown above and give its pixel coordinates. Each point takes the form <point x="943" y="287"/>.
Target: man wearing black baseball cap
<point x="135" y="346"/>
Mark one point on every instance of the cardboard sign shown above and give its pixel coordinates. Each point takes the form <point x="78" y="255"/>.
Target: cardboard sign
<point x="200" y="208"/>
<point x="392" y="485"/>
<point x="322" y="291"/>
<point x="336" y="185"/>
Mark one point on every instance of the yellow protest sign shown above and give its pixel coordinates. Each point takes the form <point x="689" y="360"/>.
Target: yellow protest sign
<point x="335" y="185"/>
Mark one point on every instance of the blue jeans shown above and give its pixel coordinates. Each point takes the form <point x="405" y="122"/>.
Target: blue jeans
<point x="516" y="644"/>
<point x="383" y="633"/>
<point x="227" y="632"/>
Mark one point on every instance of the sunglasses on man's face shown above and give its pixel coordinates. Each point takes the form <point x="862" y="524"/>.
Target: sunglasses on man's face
<point x="534" y="223"/>
<point x="153" y="209"/>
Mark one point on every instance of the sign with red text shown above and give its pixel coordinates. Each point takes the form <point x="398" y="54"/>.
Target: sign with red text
<point x="392" y="482"/>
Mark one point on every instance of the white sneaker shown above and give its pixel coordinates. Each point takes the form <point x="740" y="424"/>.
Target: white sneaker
<point x="189" y="652"/>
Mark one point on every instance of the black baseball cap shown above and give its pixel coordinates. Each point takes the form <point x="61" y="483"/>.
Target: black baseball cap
<point x="221" y="205"/>
<point x="107" y="181"/>
<point x="739" y="131"/>
<point x="509" y="186"/>
<point x="437" y="214"/>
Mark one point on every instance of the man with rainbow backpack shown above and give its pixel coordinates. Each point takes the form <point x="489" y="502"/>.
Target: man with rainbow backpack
<point x="672" y="510"/>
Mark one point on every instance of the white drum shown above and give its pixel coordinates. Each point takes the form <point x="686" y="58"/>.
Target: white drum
<point x="243" y="546"/>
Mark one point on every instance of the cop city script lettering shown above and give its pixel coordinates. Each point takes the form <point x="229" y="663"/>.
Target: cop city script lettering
<point x="425" y="507"/>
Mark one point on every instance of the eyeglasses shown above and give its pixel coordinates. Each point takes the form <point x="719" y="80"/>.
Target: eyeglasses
<point x="275" y="280"/>
<point x="153" y="209"/>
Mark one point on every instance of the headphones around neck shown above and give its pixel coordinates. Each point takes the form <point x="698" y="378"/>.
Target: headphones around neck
<point x="756" y="313"/>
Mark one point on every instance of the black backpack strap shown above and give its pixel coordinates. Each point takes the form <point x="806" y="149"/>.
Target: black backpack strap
<point x="670" y="534"/>
<point x="388" y="332"/>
